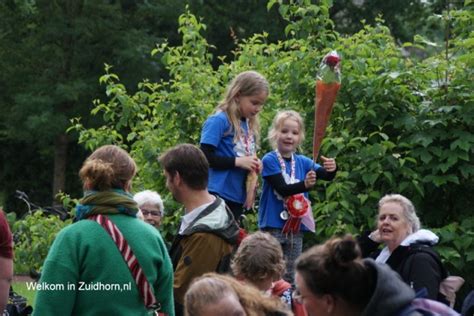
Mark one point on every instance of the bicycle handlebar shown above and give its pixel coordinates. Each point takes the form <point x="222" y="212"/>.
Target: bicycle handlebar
<point x="61" y="213"/>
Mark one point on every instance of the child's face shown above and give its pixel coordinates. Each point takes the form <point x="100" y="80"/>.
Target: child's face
<point x="289" y="137"/>
<point x="251" y="105"/>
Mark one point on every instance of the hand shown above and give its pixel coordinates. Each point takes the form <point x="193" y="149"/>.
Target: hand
<point x="250" y="163"/>
<point x="310" y="179"/>
<point x="375" y="236"/>
<point x="260" y="166"/>
<point x="329" y="164"/>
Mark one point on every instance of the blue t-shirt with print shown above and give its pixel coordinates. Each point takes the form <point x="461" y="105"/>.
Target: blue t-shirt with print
<point x="271" y="204"/>
<point x="227" y="183"/>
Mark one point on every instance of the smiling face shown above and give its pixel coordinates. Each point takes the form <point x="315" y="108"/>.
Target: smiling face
<point x="289" y="137"/>
<point x="251" y="105"/>
<point x="392" y="224"/>
<point x="151" y="214"/>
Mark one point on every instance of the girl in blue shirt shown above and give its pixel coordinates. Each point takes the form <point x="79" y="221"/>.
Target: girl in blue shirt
<point x="286" y="174"/>
<point x="229" y="138"/>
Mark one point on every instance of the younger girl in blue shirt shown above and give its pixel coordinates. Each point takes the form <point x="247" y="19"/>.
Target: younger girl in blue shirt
<point x="285" y="174"/>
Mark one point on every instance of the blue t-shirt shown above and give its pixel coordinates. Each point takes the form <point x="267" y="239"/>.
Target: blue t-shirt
<point x="227" y="183"/>
<point x="271" y="204"/>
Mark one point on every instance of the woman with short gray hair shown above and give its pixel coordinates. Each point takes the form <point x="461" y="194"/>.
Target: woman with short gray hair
<point x="407" y="248"/>
<point x="151" y="208"/>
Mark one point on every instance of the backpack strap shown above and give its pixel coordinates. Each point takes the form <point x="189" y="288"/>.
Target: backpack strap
<point x="126" y="251"/>
<point x="417" y="248"/>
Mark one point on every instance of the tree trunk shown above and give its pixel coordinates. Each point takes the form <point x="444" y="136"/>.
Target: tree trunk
<point x="60" y="158"/>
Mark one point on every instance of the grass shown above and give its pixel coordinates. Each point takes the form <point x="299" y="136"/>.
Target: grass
<point x="21" y="288"/>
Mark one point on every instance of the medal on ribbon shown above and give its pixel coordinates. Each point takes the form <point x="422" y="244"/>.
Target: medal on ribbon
<point x="297" y="206"/>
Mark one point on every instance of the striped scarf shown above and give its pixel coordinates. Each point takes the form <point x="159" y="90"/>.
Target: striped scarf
<point x="106" y="202"/>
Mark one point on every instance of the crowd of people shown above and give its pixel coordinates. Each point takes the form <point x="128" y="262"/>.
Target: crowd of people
<point x="113" y="260"/>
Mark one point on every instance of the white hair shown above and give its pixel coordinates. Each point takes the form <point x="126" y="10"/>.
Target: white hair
<point x="409" y="211"/>
<point x="150" y="197"/>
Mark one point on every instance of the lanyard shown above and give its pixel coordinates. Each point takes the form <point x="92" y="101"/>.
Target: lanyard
<point x="247" y="140"/>
<point x="283" y="167"/>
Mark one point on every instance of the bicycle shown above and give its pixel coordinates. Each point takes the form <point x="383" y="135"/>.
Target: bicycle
<point x="32" y="207"/>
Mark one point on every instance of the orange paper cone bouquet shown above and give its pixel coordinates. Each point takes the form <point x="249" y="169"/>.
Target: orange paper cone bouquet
<point x="328" y="82"/>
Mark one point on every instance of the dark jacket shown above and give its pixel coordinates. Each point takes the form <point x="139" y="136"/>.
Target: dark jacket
<point x="205" y="246"/>
<point x="417" y="263"/>
<point x="391" y="295"/>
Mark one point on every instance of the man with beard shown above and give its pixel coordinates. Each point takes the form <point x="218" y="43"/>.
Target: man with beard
<point x="208" y="231"/>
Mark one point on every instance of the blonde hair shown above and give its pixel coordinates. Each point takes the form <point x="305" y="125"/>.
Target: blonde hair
<point x="212" y="287"/>
<point x="247" y="83"/>
<point x="409" y="211"/>
<point x="277" y="124"/>
<point x="258" y="257"/>
<point x="108" y="167"/>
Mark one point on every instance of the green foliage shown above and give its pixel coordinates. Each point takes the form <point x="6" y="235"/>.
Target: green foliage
<point x="34" y="235"/>
<point x="399" y="124"/>
<point x="22" y="289"/>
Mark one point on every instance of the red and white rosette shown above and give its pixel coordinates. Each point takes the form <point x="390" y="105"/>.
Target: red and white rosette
<point x="298" y="208"/>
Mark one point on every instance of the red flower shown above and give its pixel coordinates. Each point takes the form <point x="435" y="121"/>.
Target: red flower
<point x="332" y="60"/>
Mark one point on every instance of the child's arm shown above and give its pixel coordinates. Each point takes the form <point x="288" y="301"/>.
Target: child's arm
<point x="221" y="162"/>
<point x="328" y="170"/>
<point x="284" y="189"/>
<point x="217" y="162"/>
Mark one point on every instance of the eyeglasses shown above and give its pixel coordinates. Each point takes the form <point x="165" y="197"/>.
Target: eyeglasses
<point x="149" y="212"/>
<point x="297" y="297"/>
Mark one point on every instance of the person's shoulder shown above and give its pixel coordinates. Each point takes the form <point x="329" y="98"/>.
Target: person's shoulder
<point x="422" y="251"/>
<point x="219" y="116"/>
<point x="305" y="160"/>
<point x="82" y="227"/>
<point x="303" y="157"/>
<point x="423" y="255"/>
<point x="206" y="237"/>
<point x="269" y="155"/>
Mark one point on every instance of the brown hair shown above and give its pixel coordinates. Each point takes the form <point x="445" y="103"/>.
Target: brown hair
<point x="211" y="287"/>
<point x="337" y="268"/>
<point x="247" y="83"/>
<point x="259" y="256"/>
<point x="191" y="164"/>
<point x="108" y="167"/>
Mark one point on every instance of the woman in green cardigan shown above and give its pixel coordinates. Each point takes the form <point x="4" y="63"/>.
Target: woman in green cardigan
<point x="86" y="272"/>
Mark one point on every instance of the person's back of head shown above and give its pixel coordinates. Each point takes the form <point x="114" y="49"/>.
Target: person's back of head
<point x="336" y="268"/>
<point x="212" y="296"/>
<point x="211" y="288"/>
<point x="259" y="260"/>
<point x="189" y="162"/>
<point x="108" y="167"/>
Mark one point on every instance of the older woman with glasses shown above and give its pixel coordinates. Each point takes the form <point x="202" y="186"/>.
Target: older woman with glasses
<point x="151" y="207"/>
